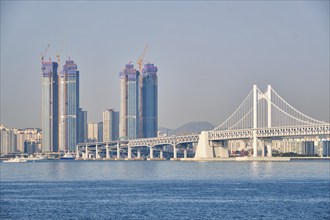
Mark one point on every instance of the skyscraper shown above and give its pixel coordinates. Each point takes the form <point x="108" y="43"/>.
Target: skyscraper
<point x="129" y="103"/>
<point x="100" y="131"/>
<point x="110" y="125"/>
<point x="69" y="106"/>
<point x="82" y="126"/>
<point x="149" y="114"/>
<point x="49" y="103"/>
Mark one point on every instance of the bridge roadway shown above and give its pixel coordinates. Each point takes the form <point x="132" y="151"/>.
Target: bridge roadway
<point x="137" y="144"/>
<point x="307" y="131"/>
<point x="275" y="132"/>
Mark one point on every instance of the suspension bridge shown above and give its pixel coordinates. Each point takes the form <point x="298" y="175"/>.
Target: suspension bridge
<point x="260" y="118"/>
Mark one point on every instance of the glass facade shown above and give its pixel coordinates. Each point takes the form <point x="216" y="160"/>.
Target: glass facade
<point x="69" y="106"/>
<point x="82" y="126"/>
<point x="150" y="101"/>
<point x="49" y="105"/>
<point x="129" y="111"/>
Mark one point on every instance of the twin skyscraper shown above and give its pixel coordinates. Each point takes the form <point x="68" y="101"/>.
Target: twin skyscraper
<point x="60" y="107"/>
<point x="64" y="124"/>
<point x="138" y="102"/>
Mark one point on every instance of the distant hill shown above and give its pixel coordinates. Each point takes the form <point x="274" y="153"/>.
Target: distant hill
<point x="189" y="128"/>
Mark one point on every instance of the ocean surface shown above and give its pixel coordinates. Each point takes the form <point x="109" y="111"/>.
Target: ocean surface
<point x="165" y="190"/>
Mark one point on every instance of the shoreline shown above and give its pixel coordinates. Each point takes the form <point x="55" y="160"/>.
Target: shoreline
<point x="228" y="159"/>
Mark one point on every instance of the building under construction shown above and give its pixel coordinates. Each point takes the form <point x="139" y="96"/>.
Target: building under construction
<point x="138" y="102"/>
<point x="69" y="106"/>
<point x="49" y="106"/>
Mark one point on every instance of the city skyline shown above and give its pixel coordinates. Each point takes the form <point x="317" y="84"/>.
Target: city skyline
<point x="210" y="54"/>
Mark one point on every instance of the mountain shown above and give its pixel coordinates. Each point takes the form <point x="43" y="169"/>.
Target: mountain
<point x="189" y="128"/>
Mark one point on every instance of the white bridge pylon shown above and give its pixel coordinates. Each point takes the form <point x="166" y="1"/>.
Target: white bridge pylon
<point x="264" y="110"/>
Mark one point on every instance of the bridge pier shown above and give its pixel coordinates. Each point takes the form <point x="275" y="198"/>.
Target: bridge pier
<point x="118" y="150"/>
<point x="129" y="153"/>
<point x="86" y="151"/>
<point x="139" y="153"/>
<point x="204" y="150"/>
<point x="269" y="150"/>
<point x="97" y="156"/>
<point x="185" y="153"/>
<point x="151" y="156"/>
<point x="161" y="154"/>
<point x="107" y="151"/>
<point x="77" y="152"/>
<point x="175" y="156"/>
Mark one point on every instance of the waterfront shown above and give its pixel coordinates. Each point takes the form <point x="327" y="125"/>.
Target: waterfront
<point x="165" y="190"/>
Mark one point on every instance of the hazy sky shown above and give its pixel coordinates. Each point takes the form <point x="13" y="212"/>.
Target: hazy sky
<point x="208" y="54"/>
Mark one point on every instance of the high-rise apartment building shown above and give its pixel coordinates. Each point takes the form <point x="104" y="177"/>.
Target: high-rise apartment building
<point x="326" y="148"/>
<point x="110" y="125"/>
<point x="92" y="133"/>
<point x="129" y="103"/>
<point x="28" y="134"/>
<point x="149" y="110"/>
<point x="82" y="126"/>
<point x="50" y="107"/>
<point x="8" y="140"/>
<point x="69" y="106"/>
<point x="100" y="131"/>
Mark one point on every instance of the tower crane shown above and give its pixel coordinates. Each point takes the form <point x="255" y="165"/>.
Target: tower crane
<point x="140" y="60"/>
<point x="58" y="53"/>
<point x="43" y="54"/>
<point x="140" y="63"/>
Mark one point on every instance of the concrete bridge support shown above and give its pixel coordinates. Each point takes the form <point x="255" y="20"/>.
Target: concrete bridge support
<point x="86" y="152"/>
<point x="220" y="149"/>
<point x="185" y="153"/>
<point x="97" y="156"/>
<point x="175" y="154"/>
<point x="77" y="152"/>
<point x="107" y="153"/>
<point x="269" y="150"/>
<point x="161" y="153"/>
<point x="129" y="153"/>
<point x="203" y="149"/>
<point x="118" y="150"/>
<point x="139" y="153"/>
<point x="151" y="153"/>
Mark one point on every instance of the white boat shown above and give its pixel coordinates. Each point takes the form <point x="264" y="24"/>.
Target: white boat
<point x="16" y="160"/>
<point x="37" y="157"/>
<point x="67" y="156"/>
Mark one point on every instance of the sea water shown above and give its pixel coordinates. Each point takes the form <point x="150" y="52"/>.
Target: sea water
<point x="165" y="190"/>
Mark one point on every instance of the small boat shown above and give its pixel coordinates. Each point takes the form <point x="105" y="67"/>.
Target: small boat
<point x="37" y="157"/>
<point x="67" y="156"/>
<point x="16" y="160"/>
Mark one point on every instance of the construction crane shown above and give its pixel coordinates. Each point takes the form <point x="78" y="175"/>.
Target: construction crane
<point x="43" y="54"/>
<point x="140" y="60"/>
<point x="58" y="53"/>
<point x="140" y="63"/>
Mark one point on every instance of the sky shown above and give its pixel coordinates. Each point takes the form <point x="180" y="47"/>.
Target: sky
<point x="209" y="54"/>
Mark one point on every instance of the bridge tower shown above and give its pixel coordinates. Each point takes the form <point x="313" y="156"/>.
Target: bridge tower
<point x="255" y="120"/>
<point x="268" y="97"/>
<point x="269" y="106"/>
<point x="269" y="116"/>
